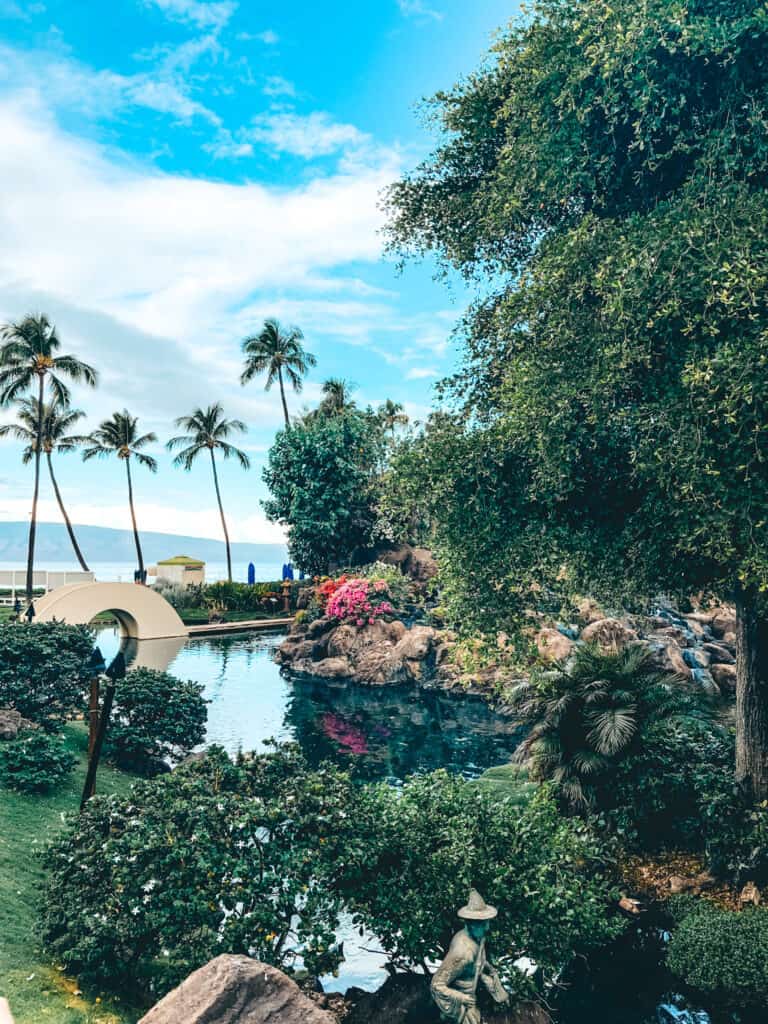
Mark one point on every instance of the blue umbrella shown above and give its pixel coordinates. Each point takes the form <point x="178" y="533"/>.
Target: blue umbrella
<point x="251" y="573"/>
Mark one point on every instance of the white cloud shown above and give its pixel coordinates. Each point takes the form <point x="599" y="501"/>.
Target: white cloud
<point x="422" y="373"/>
<point x="276" y="85"/>
<point x="418" y="9"/>
<point x="268" y="37"/>
<point x="305" y="135"/>
<point x="197" y="12"/>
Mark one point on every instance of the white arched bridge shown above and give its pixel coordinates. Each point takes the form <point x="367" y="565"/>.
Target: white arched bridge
<point x="141" y="612"/>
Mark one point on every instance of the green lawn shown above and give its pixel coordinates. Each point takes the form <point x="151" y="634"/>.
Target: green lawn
<point x="37" y="992"/>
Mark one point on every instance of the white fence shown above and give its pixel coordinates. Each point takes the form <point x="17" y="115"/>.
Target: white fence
<point x="15" y="580"/>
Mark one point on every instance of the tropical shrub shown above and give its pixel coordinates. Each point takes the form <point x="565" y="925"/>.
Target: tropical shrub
<point x="34" y="762"/>
<point x="243" y="597"/>
<point x="155" y="717"/>
<point x="215" y="857"/>
<point x="587" y="718"/>
<point x="43" y="670"/>
<point x="181" y="596"/>
<point x="359" y="601"/>
<point x="421" y="849"/>
<point x="723" y="953"/>
<point x="399" y="590"/>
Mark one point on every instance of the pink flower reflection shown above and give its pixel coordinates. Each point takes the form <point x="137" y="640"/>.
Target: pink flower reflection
<point x="349" y="737"/>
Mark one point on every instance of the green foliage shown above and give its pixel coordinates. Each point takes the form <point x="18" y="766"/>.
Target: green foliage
<point x="43" y="670"/>
<point x="594" y="714"/>
<point x="156" y="717"/>
<point x="606" y="171"/>
<point x="243" y="597"/>
<point x="34" y="762"/>
<point x="399" y="590"/>
<point x="421" y="850"/>
<point x="723" y="953"/>
<point x="322" y="475"/>
<point x="213" y="858"/>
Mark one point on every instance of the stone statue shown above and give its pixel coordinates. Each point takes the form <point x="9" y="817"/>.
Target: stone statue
<point x="454" y="986"/>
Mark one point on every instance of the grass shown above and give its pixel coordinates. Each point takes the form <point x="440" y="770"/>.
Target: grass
<point x="37" y="991"/>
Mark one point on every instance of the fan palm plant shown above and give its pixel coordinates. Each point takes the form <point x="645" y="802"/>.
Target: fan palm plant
<point x="337" y="396"/>
<point x="57" y="421"/>
<point x="589" y="716"/>
<point x="278" y="352"/>
<point x="208" y="430"/>
<point x="28" y="359"/>
<point x="119" y="435"/>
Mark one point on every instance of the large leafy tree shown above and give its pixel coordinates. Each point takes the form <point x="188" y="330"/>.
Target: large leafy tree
<point x="58" y="420"/>
<point x="119" y="436"/>
<point x="207" y="431"/>
<point x="30" y="361"/>
<point x="323" y="477"/>
<point x="607" y="173"/>
<point x="278" y="352"/>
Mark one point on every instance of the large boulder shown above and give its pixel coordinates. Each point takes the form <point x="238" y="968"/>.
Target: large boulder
<point x="609" y="634"/>
<point x="522" y="1013"/>
<point x="12" y="722"/>
<point x="552" y="645"/>
<point x="402" y="999"/>
<point x="379" y="665"/>
<point x="723" y="621"/>
<point x="416" y="643"/>
<point x="237" y="990"/>
<point x="418" y="563"/>
<point x="725" y="677"/>
<point x="328" y="668"/>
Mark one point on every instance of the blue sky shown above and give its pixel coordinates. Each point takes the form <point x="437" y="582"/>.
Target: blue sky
<point x="174" y="171"/>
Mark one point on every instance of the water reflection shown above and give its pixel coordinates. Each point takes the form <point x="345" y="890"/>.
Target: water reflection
<point x="379" y="733"/>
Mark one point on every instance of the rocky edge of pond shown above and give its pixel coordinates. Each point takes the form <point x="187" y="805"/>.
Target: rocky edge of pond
<point x="238" y="990"/>
<point x="699" y="646"/>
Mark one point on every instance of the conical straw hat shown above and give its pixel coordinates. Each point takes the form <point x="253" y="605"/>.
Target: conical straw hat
<point x="477" y="909"/>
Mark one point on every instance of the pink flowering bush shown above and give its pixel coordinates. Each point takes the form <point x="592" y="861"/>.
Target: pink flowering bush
<point x="359" y="601"/>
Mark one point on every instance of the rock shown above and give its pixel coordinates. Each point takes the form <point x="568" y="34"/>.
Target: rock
<point x="552" y="645"/>
<point x="719" y="654"/>
<point x="402" y="999"/>
<point x="629" y="905"/>
<point x="12" y="722"/>
<point x="328" y="668"/>
<point x="342" y="641"/>
<point x="380" y="666"/>
<point x="416" y="643"/>
<point x="523" y="1013"/>
<point x="609" y="634"/>
<point x="319" y="627"/>
<point x="589" y="611"/>
<point x="695" y="884"/>
<point x="676" y="662"/>
<point x="723" y="621"/>
<point x="418" y="563"/>
<point x="729" y="639"/>
<point x="749" y="895"/>
<point x="237" y="990"/>
<point x="725" y="677"/>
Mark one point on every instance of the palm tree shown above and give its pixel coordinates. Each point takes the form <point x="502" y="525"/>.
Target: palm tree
<point x="57" y="420"/>
<point x="593" y="713"/>
<point x="208" y="430"/>
<point x="28" y="354"/>
<point x="120" y="436"/>
<point x="278" y="352"/>
<point x="337" y="396"/>
<point x="392" y="415"/>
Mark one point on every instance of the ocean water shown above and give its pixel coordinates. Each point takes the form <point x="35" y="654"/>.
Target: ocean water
<point x="122" y="572"/>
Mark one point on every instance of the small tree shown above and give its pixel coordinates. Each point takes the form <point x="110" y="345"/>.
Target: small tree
<point x="322" y="475"/>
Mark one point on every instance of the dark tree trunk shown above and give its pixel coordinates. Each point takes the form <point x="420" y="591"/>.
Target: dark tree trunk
<point x="133" y="519"/>
<point x="70" y="531"/>
<point x="751" y="694"/>
<point x="221" y="513"/>
<point x="35" y="494"/>
<point x="282" y="396"/>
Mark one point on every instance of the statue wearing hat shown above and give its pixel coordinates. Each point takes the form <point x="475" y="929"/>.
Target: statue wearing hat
<point x="454" y="986"/>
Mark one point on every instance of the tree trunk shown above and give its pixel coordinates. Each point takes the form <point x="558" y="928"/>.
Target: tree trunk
<point x="221" y="513"/>
<point x="751" y="694"/>
<point x="133" y="519"/>
<point x="70" y="531"/>
<point x="282" y="396"/>
<point x="35" y="493"/>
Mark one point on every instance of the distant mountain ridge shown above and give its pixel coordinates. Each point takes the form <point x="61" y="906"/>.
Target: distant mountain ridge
<point x="102" y="544"/>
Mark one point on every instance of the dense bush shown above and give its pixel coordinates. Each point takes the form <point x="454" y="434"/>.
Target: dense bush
<point x="723" y="953"/>
<point x="181" y="596"/>
<point x="155" y="717"/>
<point x="34" y="762"/>
<point x="212" y="858"/>
<point x="421" y="850"/>
<point x="244" y="597"/>
<point x="43" y="670"/>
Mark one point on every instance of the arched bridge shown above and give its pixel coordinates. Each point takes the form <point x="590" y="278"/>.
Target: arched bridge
<point x="141" y="612"/>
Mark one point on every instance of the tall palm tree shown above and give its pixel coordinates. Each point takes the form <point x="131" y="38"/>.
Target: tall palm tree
<point x="119" y="436"/>
<point x="278" y="352"/>
<point x="57" y="421"/>
<point x="28" y="358"/>
<point x="208" y="430"/>
<point x="392" y="415"/>
<point x="337" y="396"/>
